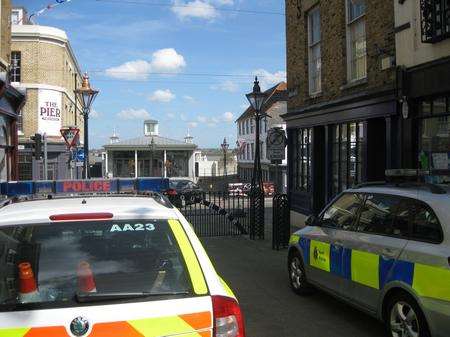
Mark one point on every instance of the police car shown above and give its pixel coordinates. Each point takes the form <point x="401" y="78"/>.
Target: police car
<point x="384" y="249"/>
<point x="106" y="265"/>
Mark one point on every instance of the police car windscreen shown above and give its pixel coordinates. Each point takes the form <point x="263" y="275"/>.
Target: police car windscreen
<point x="46" y="265"/>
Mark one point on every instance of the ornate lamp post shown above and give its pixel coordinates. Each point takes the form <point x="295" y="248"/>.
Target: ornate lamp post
<point x="225" y="146"/>
<point x="86" y="95"/>
<point x="257" y="99"/>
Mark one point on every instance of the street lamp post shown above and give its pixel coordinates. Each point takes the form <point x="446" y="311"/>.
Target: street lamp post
<point x="225" y="146"/>
<point x="257" y="99"/>
<point x="86" y="95"/>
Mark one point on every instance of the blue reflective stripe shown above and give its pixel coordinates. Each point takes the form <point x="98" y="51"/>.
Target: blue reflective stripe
<point x="391" y="270"/>
<point x="336" y="260"/>
<point x="347" y="264"/>
<point x="304" y="245"/>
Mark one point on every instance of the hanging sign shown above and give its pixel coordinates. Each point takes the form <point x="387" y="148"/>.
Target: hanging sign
<point x="70" y="135"/>
<point x="49" y="112"/>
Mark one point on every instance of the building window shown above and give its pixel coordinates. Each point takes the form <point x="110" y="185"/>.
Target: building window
<point x="302" y="162"/>
<point x="252" y="126"/>
<point x="252" y="152"/>
<point x="347" y="158"/>
<point x="435" y="20"/>
<point x="434" y="142"/>
<point x="356" y="40"/>
<point x="239" y="128"/>
<point x="315" y="59"/>
<point x="247" y="127"/>
<point x="16" y="65"/>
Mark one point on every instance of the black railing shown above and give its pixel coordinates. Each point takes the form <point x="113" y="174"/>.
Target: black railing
<point x="216" y="214"/>
<point x="281" y="222"/>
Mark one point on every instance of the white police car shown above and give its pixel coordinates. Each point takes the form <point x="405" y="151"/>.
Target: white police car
<point x="108" y="265"/>
<point x="384" y="249"/>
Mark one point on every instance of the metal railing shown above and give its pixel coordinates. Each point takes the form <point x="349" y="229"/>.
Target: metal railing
<point x="216" y="214"/>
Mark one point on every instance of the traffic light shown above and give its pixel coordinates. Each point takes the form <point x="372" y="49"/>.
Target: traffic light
<point x="37" y="146"/>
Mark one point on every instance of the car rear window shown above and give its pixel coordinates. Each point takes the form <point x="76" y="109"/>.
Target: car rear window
<point x="106" y="257"/>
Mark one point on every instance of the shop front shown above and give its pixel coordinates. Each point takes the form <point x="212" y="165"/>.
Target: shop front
<point x="427" y="89"/>
<point x="336" y="146"/>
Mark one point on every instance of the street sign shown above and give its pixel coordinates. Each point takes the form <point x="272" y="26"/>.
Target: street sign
<point x="276" y="144"/>
<point x="80" y="155"/>
<point x="70" y="135"/>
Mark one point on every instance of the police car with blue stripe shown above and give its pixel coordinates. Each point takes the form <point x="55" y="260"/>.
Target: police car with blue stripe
<point x="384" y="248"/>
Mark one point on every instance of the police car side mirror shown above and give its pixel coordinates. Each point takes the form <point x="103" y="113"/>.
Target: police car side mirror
<point x="311" y="221"/>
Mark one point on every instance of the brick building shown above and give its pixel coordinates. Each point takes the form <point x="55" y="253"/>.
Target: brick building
<point x="343" y="107"/>
<point x="45" y="67"/>
<point x="11" y="100"/>
<point x="274" y="107"/>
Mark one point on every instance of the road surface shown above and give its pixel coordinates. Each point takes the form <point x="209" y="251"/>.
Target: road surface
<point x="258" y="277"/>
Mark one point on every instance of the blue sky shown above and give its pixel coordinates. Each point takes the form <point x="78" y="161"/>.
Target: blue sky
<point x="163" y="62"/>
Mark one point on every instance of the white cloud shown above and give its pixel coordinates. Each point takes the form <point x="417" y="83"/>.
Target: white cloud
<point x="201" y="9"/>
<point x="228" y="117"/>
<point x="167" y="61"/>
<point x="183" y="117"/>
<point x="268" y="79"/>
<point x="133" y="70"/>
<point x="171" y="115"/>
<point x="193" y="125"/>
<point x="189" y="98"/>
<point x="162" y="96"/>
<point x="163" y="61"/>
<point x="130" y="113"/>
<point x="228" y="86"/>
<point x="202" y="119"/>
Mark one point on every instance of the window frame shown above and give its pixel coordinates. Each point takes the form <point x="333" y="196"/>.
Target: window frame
<point x="311" y="47"/>
<point x="401" y="200"/>
<point x="337" y="198"/>
<point x="16" y="70"/>
<point x="349" y="23"/>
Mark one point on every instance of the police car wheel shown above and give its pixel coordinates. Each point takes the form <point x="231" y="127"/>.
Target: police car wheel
<point x="404" y="318"/>
<point x="297" y="276"/>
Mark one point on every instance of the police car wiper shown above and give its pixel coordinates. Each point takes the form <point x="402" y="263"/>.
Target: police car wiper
<point x="97" y="297"/>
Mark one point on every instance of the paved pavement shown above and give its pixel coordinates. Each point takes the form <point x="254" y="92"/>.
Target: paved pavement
<point x="258" y="277"/>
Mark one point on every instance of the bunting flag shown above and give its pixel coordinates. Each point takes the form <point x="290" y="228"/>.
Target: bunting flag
<point x="47" y="8"/>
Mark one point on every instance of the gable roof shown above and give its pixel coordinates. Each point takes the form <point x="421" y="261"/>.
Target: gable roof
<point x="275" y="94"/>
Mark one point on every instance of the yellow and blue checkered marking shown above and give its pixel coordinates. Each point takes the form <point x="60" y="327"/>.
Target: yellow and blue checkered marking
<point x="375" y="271"/>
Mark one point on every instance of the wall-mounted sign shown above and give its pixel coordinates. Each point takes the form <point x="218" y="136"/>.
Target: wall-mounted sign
<point x="276" y="144"/>
<point x="49" y="112"/>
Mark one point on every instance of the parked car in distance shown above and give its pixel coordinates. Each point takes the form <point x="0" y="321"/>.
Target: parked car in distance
<point x="183" y="192"/>
<point x="384" y="249"/>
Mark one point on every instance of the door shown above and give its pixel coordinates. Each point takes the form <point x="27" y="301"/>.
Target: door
<point x="373" y="247"/>
<point x="325" y="242"/>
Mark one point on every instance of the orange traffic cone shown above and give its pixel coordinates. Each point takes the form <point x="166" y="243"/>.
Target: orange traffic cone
<point x="86" y="283"/>
<point x="28" y="291"/>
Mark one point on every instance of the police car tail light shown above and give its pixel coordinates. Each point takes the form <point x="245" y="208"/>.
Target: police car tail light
<point x="228" y="321"/>
<point x="81" y="216"/>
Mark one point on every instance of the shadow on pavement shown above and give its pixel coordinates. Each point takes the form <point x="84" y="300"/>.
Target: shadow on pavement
<point x="258" y="276"/>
